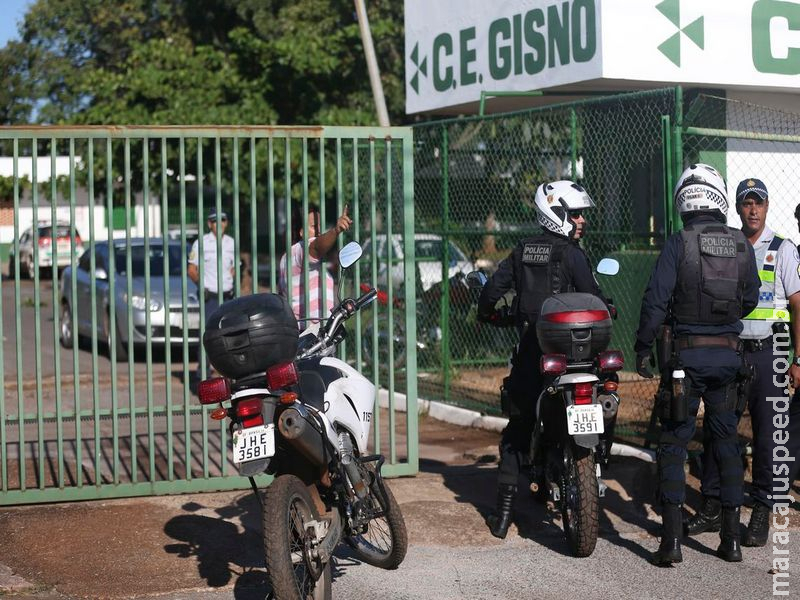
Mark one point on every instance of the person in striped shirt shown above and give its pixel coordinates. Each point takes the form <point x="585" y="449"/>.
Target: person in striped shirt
<point x="320" y="246"/>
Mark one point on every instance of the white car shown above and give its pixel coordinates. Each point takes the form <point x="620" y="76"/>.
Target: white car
<point x="429" y="253"/>
<point x="53" y="249"/>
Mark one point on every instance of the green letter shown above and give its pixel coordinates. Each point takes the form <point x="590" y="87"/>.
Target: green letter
<point x="444" y="42"/>
<point x="467" y="56"/>
<point x="558" y="34"/>
<point x="584" y="53"/>
<point x="534" y="61"/>
<point x="499" y="56"/>
<point x="764" y="11"/>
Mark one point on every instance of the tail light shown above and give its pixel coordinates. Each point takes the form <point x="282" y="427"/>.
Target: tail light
<point x="281" y="376"/>
<point x="44" y="241"/>
<point x="577" y="316"/>
<point x="216" y="389"/>
<point x="249" y="412"/>
<point x="583" y="393"/>
<point x="611" y="360"/>
<point x="553" y="364"/>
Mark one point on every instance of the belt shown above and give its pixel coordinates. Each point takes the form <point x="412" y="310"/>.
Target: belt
<point x="225" y="295"/>
<point x="706" y="341"/>
<point x="757" y="345"/>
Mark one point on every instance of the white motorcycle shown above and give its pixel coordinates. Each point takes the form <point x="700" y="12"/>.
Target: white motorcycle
<point x="306" y="420"/>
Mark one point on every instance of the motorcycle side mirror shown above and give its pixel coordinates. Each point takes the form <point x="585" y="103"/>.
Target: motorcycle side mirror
<point x="349" y="254"/>
<point x="476" y="280"/>
<point x="608" y="266"/>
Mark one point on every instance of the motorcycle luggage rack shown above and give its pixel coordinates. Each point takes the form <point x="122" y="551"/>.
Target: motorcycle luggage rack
<point x="579" y="366"/>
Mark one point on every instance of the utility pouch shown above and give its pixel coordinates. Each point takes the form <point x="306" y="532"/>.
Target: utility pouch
<point x="664" y="346"/>
<point x="744" y="381"/>
<point x="679" y="406"/>
<point x="664" y="397"/>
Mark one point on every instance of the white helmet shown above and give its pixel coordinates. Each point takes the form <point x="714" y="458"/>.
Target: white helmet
<point x="554" y="201"/>
<point x="701" y="188"/>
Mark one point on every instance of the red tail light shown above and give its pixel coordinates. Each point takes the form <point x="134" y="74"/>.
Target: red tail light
<point x="553" y="364"/>
<point x="45" y="241"/>
<point x="249" y="411"/>
<point x="281" y="376"/>
<point x="216" y="389"/>
<point x="583" y="393"/>
<point x="577" y="316"/>
<point x="611" y="360"/>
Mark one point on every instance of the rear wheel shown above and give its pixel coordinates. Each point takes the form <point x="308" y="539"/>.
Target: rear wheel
<point x="579" y="499"/>
<point x="293" y="572"/>
<point x="383" y="541"/>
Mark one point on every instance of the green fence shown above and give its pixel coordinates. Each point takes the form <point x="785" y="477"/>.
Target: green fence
<point x="98" y="359"/>
<point x="475" y="183"/>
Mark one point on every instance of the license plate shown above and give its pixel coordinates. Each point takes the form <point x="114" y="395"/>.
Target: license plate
<point x="253" y="443"/>
<point x="192" y="320"/>
<point x="585" y="419"/>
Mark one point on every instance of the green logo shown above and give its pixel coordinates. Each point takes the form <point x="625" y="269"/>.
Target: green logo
<point x="764" y="13"/>
<point x="671" y="48"/>
<point x="422" y="67"/>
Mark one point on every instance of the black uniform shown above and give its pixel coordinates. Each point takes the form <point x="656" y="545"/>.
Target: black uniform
<point x="537" y="268"/>
<point x="706" y="278"/>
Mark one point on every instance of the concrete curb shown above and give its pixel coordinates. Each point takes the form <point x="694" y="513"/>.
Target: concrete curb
<point x="471" y="418"/>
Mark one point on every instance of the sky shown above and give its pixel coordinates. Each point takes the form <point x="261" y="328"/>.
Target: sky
<point x="13" y="11"/>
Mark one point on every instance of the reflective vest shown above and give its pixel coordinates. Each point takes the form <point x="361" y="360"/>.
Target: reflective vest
<point x="772" y="305"/>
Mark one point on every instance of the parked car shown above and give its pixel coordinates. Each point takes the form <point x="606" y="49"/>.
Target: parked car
<point x="429" y="252"/>
<point x="50" y="246"/>
<point x="161" y="313"/>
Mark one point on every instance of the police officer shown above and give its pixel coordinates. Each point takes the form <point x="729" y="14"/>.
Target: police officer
<point x="778" y="263"/>
<point x="537" y="268"/>
<point x="705" y="280"/>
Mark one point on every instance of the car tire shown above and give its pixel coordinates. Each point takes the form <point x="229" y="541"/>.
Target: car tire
<point x="30" y="269"/>
<point x="11" y="271"/>
<point x="120" y="347"/>
<point x="66" y="327"/>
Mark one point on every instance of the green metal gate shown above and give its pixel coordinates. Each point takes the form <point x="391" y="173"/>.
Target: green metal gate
<point x="111" y="413"/>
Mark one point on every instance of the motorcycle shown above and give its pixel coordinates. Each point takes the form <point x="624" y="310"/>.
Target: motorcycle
<point x="305" y="420"/>
<point x="577" y="407"/>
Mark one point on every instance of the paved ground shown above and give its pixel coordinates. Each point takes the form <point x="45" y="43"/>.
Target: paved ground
<point x="208" y="545"/>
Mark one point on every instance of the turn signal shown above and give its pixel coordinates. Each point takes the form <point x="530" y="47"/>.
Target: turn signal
<point x="219" y="413"/>
<point x="216" y="389"/>
<point x="610" y="386"/>
<point x="288" y="398"/>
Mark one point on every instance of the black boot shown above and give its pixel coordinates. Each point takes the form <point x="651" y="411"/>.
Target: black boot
<point x="730" y="548"/>
<point x="500" y="519"/>
<point x="669" y="551"/>
<point x="708" y="518"/>
<point x="758" y="529"/>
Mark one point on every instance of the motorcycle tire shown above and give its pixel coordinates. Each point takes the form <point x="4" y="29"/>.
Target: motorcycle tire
<point x="579" y="499"/>
<point x="385" y="542"/>
<point x="287" y="509"/>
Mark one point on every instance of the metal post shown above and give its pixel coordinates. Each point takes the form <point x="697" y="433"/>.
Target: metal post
<point x="372" y="64"/>
<point x="445" y="304"/>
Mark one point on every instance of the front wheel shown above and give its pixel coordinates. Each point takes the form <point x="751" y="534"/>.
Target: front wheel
<point x="579" y="499"/>
<point x="293" y="572"/>
<point x="383" y="540"/>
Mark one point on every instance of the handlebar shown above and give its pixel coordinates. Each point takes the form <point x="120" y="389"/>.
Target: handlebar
<point x="346" y="309"/>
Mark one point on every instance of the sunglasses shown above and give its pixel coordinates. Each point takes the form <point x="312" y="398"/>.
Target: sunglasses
<point x="575" y="214"/>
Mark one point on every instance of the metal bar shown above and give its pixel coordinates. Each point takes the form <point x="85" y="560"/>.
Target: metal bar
<point x="390" y="304"/>
<point x="151" y="449"/>
<point x="55" y="306"/>
<point x="140" y="411"/>
<point x="409" y="252"/>
<point x="741" y="135"/>
<point x="376" y="417"/>
<point x="93" y="303"/>
<point x="306" y="237"/>
<point x="339" y="207"/>
<point x="167" y="304"/>
<point x="117" y="132"/>
<point x="111" y="331"/>
<point x="357" y="275"/>
<point x="254" y="213"/>
<point x="129" y="305"/>
<point x="445" y="305"/>
<point x="324" y="312"/>
<point x="273" y="280"/>
<point x="237" y="263"/>
<point x="37" y="302"/>
<point x="666" y="164"/>
<point x="677" y="146"/>
<point x="184" y="287"/>
<point x="287" y="182"/>
<point x="18" y="321"/>
<point x="201" y="287"/>
<point x="573" y="124"/>
<point x="73" y="314"/>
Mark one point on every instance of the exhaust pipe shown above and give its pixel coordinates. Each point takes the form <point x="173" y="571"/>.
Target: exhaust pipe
<point x="610" y="403"/>
<point x="293" y="425"/>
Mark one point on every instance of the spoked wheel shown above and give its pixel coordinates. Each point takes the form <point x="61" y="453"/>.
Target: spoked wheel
<point x="579" y="499"/>
<point x="291" y="569"/>
<point x="383" y="540"/>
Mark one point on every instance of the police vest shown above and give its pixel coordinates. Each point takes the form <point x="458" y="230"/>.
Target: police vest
<point x="710" y="284"/>
<point x="771" y="308"/>
<point x="539" y="274"/>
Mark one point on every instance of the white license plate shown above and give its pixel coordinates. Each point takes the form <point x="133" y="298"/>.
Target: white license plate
<point x="585" y="419"/>
<point x="192" y="320"/>
<point x="253" y="443"/>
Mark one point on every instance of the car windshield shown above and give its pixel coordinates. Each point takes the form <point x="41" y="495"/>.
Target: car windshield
<point x="156" y="260"/>
<point x="432" y="249"/>
<point x="62" y="231"/>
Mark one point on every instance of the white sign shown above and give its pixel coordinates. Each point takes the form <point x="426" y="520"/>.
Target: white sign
<point x="455" y="49"/>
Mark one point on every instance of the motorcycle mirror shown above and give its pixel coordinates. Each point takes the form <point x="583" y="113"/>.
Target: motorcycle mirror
<point x="349" y="254"/>
<point x="608" y="266"/>
<point x="476" y="280"/>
